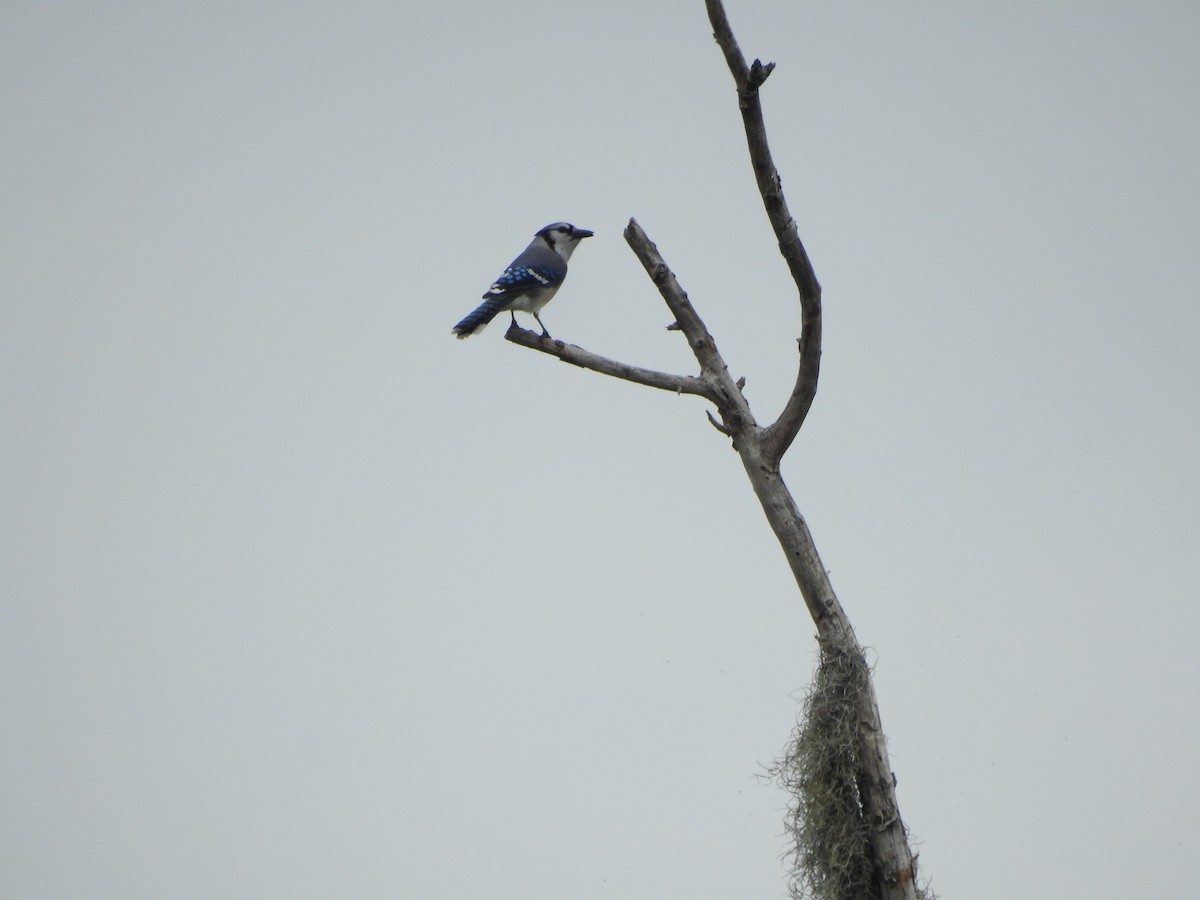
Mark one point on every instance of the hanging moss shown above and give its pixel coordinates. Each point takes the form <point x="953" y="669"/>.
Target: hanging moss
<point x="830" y="853"/>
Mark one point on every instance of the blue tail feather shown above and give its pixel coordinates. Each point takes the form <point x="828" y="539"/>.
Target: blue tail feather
<point x="476" y="320"/>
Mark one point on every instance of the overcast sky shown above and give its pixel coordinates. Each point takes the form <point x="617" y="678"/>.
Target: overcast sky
<point x="303" y="598"/>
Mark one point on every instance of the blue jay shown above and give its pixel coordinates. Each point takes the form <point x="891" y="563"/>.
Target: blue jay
<point x="529" y="281"/>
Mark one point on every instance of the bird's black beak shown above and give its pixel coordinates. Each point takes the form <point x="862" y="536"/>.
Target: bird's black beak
<point x="583" y="232"/>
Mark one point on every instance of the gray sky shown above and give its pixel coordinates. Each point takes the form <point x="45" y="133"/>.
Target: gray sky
<point x="302" y="598"/>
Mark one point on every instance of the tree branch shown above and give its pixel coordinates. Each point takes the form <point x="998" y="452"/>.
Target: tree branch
<point x="779" y="436"/>
<point x="731" y="401"/>
<point x="585" y="359"/>
<point x="687" y="319"/>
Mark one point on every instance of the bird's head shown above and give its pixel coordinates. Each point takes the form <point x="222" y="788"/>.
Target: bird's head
<point x="563" y="238"/>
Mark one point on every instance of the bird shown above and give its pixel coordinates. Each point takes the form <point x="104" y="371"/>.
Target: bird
<point x="529" y="281"/>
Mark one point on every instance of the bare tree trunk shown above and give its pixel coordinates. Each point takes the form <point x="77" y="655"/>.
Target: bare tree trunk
<point x="893" y="863"/>
<point x="888" y="860"/>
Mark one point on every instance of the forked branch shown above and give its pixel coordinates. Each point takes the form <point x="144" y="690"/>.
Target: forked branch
<point x="714" y="382"/>
<point x="748" y="79"/>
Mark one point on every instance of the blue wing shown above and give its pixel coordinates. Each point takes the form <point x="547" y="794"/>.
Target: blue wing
<point x="518" y="280"/>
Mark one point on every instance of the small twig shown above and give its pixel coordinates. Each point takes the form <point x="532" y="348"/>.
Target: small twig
<point x="760" y="72"/>
<point x="717" y="425"/>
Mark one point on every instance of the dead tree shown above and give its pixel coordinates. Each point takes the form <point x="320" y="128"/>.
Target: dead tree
<point x="849" y="839"/>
